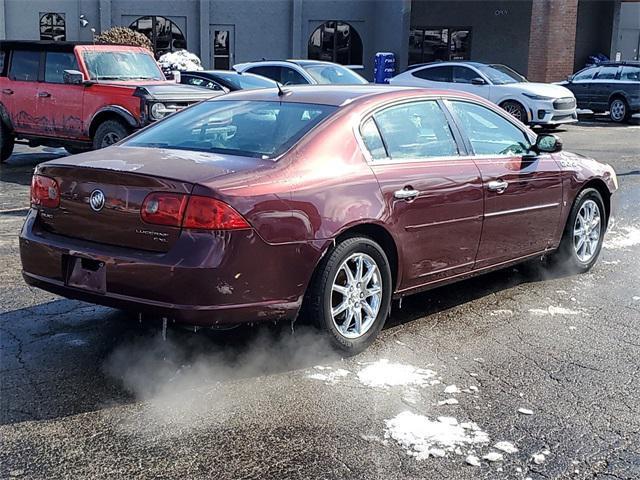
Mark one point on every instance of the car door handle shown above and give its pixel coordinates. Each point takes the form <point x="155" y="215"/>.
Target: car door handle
<point x="44" y="94"/>
<point x="405" y="194"/>
<point x="498" y="186"/>
<point x="7" y="91"/>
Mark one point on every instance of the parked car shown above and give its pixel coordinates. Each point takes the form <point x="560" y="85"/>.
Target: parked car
<point x="321" y="204"/>
<point x="303" y="72"/>
<point x="225" y="80"/>
<point x="531" y="103"/>
<point x="82" y="96"/>
<point x="609" y="86"/>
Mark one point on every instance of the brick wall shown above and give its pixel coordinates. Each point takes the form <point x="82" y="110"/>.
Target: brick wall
<point x="552" y="39"/>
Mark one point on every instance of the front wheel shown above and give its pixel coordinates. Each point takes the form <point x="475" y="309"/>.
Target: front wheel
<point x="583" y="235"/>
<point x="516" y="110"/>
<point x="350" y="296"/>
<point x="618" y="110"/>
<point x="7" y="141"/>
<point x="108" y="133"/>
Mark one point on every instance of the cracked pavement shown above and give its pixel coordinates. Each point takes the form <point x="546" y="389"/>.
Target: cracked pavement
<point x="87" y="392"/>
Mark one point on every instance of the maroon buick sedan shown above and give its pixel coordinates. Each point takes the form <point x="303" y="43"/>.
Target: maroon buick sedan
<point x="323" y="203"/>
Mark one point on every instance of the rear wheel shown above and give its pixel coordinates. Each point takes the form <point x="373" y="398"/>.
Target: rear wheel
<point x="350" y="295"/>
<point x="583" y="235"/>
<point x="7" y="141"/>
<point x="108" y="133"/>
<point x="618" y="110"/>
<point x="516" y="110"/>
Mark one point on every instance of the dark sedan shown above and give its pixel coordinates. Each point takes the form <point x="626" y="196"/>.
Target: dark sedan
<point x="609" y="86"/>
<point x="320" y="204"/>
<point x="226" y="80"/>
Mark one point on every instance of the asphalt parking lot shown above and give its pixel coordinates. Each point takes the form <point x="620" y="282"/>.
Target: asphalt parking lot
<point x="534" y="374"/>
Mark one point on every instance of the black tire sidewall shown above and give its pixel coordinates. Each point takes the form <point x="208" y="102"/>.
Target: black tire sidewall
<point x="7" y="142"/>
<point x="323" y="288"/>
<point x="108" y="127"/>
<point x="567" y="253"/>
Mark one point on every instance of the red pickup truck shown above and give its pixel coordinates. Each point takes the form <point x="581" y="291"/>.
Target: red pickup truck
<point x="82" y="96"/>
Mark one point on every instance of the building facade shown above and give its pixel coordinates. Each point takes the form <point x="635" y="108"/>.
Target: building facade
<point x="543" y="39"/>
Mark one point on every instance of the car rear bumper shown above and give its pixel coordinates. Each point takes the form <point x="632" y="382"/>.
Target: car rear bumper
<point x="207" y="278"/>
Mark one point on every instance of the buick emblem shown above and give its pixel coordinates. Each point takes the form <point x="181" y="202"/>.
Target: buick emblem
<point x="96" y="200"/>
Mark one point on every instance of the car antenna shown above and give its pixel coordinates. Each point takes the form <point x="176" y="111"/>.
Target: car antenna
<point x="281" y="92"/>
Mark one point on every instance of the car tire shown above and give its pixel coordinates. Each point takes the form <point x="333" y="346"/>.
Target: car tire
<point x="515" y="109"/>
<point x="7" y="142"/>
<point x="619" y="110"/>
<point x="578" y="252"/>
<point x="108" y="133"/>
<point x="324" y="302"/>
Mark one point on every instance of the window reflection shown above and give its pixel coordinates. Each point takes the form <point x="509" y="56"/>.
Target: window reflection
<point x="337" y="42"/>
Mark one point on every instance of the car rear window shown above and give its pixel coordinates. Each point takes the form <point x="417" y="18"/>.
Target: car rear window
<point x="630" y="73"/>
<point x="25" y="65"/>
<point x="246" y="128"/>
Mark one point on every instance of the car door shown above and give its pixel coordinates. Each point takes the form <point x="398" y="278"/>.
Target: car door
<point x="580" y="85"/>
<point x="522" y="193"/>
<point x="60" y="104"/>
<point x="464" y="78"/>
<point x="22" y="91"/>
<point x="432" y="192"/>
<point x="603" y="84"/>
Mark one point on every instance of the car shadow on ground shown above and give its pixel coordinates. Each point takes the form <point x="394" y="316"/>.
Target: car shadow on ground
<point x="66" y="357"/>
<point x="19" y="167"/>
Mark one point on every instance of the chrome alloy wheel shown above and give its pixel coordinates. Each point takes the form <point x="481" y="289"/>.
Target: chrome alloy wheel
<point x="618" y="110"/>
<point x="586" y="231"/>
<point x="356" y="295"/>
<point x="513" y="109"/>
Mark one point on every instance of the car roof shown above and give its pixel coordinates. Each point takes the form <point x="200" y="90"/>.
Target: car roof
<point x="450" y="63"/>
<point x="633" y="63"/>
<point x="334" y="95"/>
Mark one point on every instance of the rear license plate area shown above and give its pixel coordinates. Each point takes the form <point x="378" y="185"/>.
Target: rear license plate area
<point x="85" y="273"/>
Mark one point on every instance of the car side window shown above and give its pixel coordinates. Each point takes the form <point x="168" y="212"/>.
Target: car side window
<point x="464" y="74"/>
<point x="584" y="75"/>
<point x="25" y="65"/>
<point x="268" y="71"/>
<point x="55" y="65"/>
<point x="416" y="130"/>
<point x="372" y="140"/>
<point x="291" y="77"/>
<point x="489" y="132"/>
<point x="630" y="73"/>
<point x="201" y="82"/>
<point x="607" y="73"/>
<point x="2" y="57"/>
<point x="434" y="74"/>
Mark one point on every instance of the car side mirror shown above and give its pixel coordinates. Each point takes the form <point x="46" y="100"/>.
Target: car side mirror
<point x="73" y="77"/>
<point x="478" y="81"/>
<point x="548" y="144"/>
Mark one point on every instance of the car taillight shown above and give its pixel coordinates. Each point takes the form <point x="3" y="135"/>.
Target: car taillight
<point x="201" y="213"/>
<point x="44" y="192"/>
<point x="204" y="213"/>
<point x="164" y="209"/>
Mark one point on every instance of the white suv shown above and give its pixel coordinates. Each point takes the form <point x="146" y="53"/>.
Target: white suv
<point x="532" y="103"/>
<point x="302" y="72"/>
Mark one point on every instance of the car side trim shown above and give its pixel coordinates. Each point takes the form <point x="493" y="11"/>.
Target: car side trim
<point x="443" y="222"/>
<point x="520" y="210"/>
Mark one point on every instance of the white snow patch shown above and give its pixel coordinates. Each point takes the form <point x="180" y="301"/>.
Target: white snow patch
<point x="493" y="457"/>
<point x="331" y="377"/>
<point x="501" y="312"/>
<point x="472" y="460"/>
<point x="448" y="401"/>
<point x="473" y="388"/>
<point x="553" y="311"/>
<point x="422" y="438"/>
<point x="611" y="262"/>
<point x="525" y="411"/>
<point x="451" y="389"/>
<point x="636" y="299"/>
<point x="383" y="374"/>
<point x="506" y="447"/>
<point x="411" y="395"/>
<point x="623" y="237"/>
<point x="538" y="458"/>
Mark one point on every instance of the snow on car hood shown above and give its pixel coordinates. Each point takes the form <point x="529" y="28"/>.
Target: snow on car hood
<point x="544" y="89"/>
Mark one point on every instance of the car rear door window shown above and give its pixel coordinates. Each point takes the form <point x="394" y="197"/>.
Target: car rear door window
<point x="55" y="65"/>
<point x="25" y="65"/>
<point x="489" y="132"/>
<point x="630" y="74"/>
<point x="416" y="130"/>
<point x="373" y="140"/>
<point x="464" y="75"/>
<point x="607" y="73"/>
<point x="269" y="71"/>
<point x="435" y="74"/>
<point x="291" y="77"/>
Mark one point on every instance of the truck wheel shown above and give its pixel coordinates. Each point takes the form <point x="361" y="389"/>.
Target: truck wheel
<point x="108" y="133"/>
<point x="7" y="141"/>
<point x="516" y="110"/>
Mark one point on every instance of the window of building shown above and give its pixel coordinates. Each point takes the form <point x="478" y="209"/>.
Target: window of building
<point x="25" y="65"/>
<point x="52" y="27"/>
<point x="55" y="65"/>
<point x="164" y="34"/>
<point x="432" y="44"/>
<point x="336" y="42"/>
